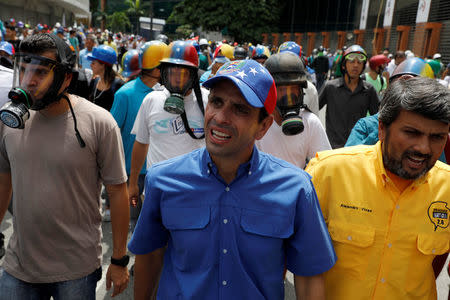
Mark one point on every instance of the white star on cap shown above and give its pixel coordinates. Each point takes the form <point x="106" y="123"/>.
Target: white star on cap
<point x="262" y="70"/>
<point x="253" y="71"/>
<point x="241" y="74"/>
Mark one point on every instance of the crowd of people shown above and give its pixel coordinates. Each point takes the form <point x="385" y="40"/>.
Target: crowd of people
<point x="214" y="156"/>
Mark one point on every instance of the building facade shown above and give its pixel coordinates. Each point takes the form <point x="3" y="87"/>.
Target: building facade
<point x="45" y="11"/>
<point x="422" y="26"/>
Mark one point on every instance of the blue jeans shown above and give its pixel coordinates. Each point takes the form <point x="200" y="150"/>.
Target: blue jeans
<point x="12" y="288"/>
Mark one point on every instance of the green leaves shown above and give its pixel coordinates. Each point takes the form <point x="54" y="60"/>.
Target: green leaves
<point x="118" y="21"/>
<point x="245" y="20"/>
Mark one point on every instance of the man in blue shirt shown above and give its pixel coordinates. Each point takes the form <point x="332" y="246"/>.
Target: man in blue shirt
<point x="128" y="100"/>
<point x="84" y="63"/>
<point x="223" y="222"/>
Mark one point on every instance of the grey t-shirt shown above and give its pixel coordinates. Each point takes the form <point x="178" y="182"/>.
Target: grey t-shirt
<point x="56" y="188"/>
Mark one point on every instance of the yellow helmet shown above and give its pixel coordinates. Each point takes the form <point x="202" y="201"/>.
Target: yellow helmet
<point x="224" y="50"/>
<point x="151" y="53"/>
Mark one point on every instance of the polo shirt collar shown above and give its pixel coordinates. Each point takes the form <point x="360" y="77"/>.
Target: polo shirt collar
<point x="383" y="173"/>
<point x="208" y="167"/>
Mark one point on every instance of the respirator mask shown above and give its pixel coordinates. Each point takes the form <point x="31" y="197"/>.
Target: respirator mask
<point x="36" y="83"/>
<point x="178" y="80"/>
<point x="289" y="103"/>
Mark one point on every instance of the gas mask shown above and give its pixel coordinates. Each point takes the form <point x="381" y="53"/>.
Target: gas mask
<point x="178" y="80"/>
<point x="289" y="103"/>
<point x="36" y="83"/>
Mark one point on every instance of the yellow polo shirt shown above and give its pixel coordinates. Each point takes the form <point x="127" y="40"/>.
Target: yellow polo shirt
<point x="385" y="240"/>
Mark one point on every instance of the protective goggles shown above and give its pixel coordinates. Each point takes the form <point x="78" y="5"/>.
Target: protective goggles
<point x="289" y="95"/>
<point x="356" y="56"/>
<point x="177" y="79"/>
<point x="34" y="73"/>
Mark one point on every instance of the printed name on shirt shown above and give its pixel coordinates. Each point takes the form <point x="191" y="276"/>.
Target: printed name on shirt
<point x="438" y="212"/>
<point x="356" y="208"/>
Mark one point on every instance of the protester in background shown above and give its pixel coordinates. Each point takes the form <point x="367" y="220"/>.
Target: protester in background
<point x="85" y="63"/>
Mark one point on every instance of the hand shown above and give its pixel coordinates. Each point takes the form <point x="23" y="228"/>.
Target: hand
<point x="119" y="277"/>
<point x="133" y="192"/>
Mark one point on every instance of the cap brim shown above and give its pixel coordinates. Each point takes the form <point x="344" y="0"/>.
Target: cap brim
<point x="245" y="90"/>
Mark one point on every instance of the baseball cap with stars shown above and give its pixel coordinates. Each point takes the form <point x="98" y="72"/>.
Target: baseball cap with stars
<point x="252" y="79"/>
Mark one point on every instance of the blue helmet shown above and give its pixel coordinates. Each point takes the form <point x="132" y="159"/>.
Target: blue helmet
<point x="7" y="47"/>
<point x="291" y="47"/>
<point x="412" y="67"/>
<point x="103" y="53"/>
<point x="130" y="63"/>
<point x="261" y="52"/>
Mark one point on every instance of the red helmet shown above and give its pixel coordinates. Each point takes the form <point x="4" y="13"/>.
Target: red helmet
<point x="182" y="53"/>
<point x="378" y="60"/>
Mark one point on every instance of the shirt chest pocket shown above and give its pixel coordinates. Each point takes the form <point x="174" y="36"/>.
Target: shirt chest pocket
<point x="265" y="232"/>
<point x="190" y="234"/>
<point x="352" y="244"/>
<point x="419" y="271"/>
<point x="433" y="244"/>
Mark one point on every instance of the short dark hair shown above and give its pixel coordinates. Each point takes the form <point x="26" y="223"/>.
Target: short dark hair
<point x="38" y="44"/>
<point x="421" y="95"/>
<point x="262" y="114"/>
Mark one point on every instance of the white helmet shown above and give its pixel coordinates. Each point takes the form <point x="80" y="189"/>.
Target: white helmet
<point x="437" y="56"/>
<point x="203" y="42"/>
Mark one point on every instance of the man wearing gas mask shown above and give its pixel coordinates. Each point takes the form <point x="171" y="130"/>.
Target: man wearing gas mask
<point x="170" y="122"/>
<point x="56" y="150"/>
<point x="297" y="134"/>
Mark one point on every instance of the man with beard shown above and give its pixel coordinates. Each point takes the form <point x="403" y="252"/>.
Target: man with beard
<point x="387" y="205"/>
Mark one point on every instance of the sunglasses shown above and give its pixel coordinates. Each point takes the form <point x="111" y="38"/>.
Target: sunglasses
<point x="356" y="56"/>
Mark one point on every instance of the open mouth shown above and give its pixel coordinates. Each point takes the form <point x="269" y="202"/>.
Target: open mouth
<point x="416" y="162"/>
<point x="220" y="135"/>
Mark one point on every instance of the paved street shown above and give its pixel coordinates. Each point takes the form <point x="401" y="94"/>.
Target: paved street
<point x="6" y="227"/>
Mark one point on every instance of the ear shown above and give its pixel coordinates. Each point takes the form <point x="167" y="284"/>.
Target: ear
<point x="264" y="126"/>
<point x="381" y="131"/>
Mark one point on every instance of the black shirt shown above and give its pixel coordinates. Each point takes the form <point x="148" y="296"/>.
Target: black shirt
<point x="104" y="98"/>
<point x="345" y="108"/>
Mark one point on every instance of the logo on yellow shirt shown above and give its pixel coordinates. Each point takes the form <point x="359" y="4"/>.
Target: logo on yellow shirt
<point x="438" y="212"/>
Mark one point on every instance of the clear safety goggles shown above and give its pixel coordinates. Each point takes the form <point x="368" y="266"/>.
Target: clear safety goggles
<point x="177" y="79"/>
<point x="356" y="56"/>
<point x="34" y="74"/>
<point x="289" y="95"/>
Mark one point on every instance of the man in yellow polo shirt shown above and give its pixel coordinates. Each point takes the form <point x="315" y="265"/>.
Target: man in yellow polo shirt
<point x="387" y="205"/>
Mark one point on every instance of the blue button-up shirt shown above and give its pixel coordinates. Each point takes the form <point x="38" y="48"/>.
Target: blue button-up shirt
<point x="231" y="241"/>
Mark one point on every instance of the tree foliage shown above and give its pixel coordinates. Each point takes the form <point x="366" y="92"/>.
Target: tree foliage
<point x="136" y="10"/>
<point x="184" y="31"/>
<point x="118" y="21"/>
<point x="245" y="20"/>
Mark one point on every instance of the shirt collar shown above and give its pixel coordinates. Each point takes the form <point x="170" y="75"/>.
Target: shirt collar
<point x="361" y="85"/>
<point x="383" y="173"/>
<point x="250" y="167"/>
